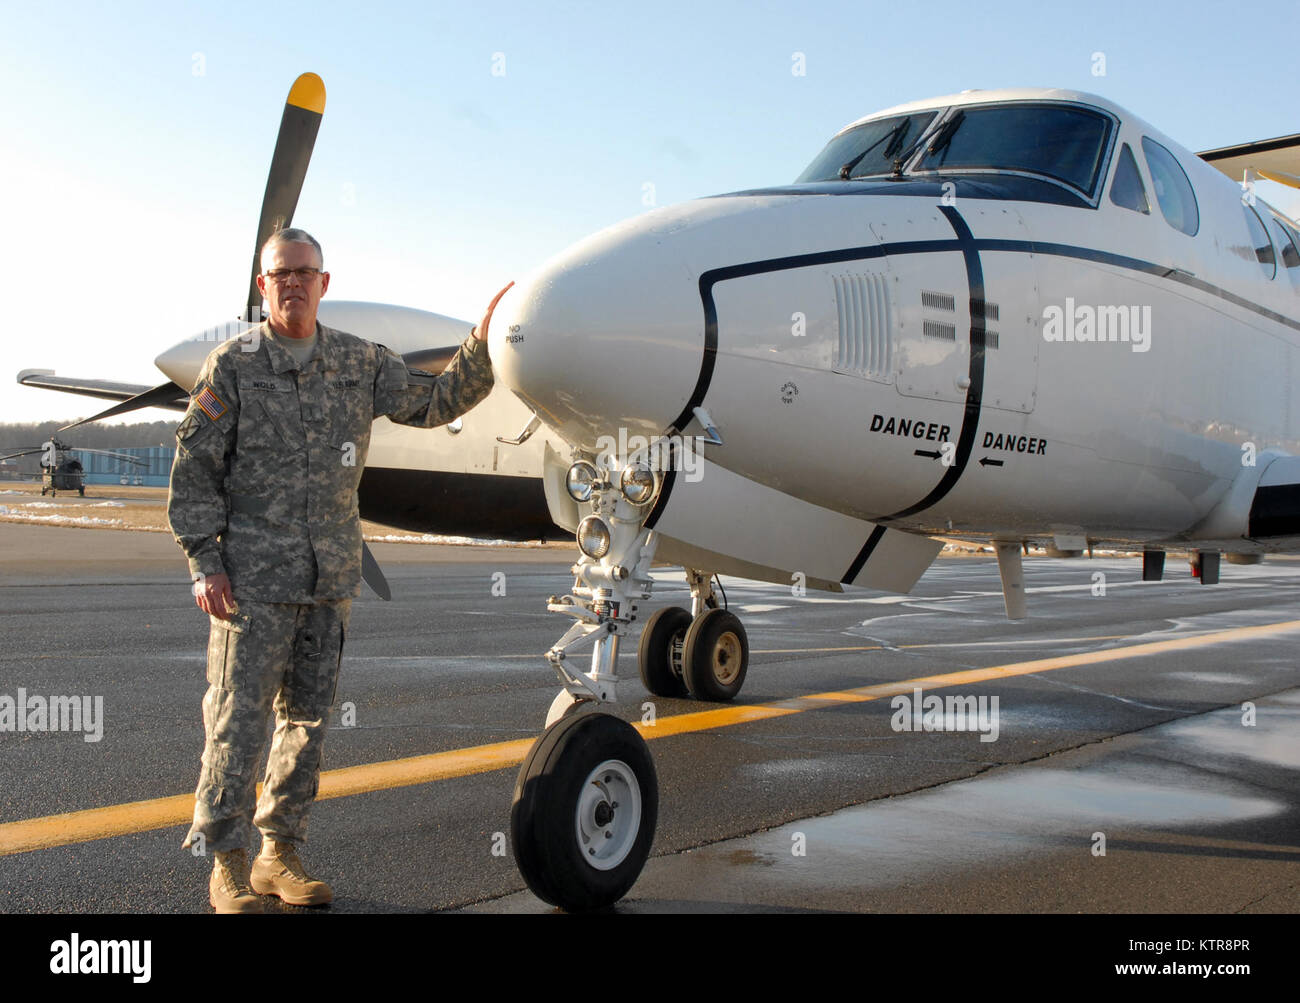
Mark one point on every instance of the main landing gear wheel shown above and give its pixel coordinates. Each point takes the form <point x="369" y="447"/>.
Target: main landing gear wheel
<point x="660" y="652"/>
<point x="716" y="655"/>
<point x="584" y="814"/>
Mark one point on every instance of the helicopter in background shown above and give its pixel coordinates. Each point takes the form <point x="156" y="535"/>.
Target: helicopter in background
<point x="61" y="470"/>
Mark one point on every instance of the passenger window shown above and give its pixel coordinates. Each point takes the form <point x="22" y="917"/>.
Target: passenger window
<point x="1127" y="189"/>
<point x="1290" y="256"/>
<point x="1174" y="192"/>
<point x="1260" y="243"/>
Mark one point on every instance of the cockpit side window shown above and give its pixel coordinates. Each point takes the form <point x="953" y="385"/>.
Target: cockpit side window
<point x="868" y="149"/>
<point x="1286" y="243"/>
<point x="1259" y="242"/>
<point x="1174" y="192"/>
<point x="1064" y="142"/>
<point x="1127" y="189"/>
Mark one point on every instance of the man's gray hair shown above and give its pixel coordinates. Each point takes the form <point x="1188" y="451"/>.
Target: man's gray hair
<point x="291" y="235"/>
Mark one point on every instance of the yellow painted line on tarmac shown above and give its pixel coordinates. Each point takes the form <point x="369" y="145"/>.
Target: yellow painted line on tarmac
<point x="142" y="816"/>
<point x="927" y="644"/>
<point x="159" y="813"/>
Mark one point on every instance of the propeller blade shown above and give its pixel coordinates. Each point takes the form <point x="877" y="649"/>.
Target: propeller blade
<point x="25" y="452"/>
<point x="293" y="146"/>
<point x="373" y="575"/>
<point x="431" y="360"/>
<point x="167" y="395"/>
<point x="1282" y="178"/>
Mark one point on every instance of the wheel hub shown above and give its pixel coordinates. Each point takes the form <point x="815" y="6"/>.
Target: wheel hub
<point x="726" y="658"/>
<point x="608" y="815"/>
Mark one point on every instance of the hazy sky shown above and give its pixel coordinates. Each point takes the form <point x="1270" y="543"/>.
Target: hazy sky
<point x="460" y="147"/>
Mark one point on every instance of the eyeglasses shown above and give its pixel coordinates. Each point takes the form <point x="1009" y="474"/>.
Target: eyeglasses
<point x="304" y="275"/>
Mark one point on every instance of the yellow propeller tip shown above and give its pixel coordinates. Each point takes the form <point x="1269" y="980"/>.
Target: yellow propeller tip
<point x="308" y="91"/>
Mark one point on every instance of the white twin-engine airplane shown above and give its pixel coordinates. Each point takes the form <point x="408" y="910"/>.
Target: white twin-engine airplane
<point x="1017" y="315"/>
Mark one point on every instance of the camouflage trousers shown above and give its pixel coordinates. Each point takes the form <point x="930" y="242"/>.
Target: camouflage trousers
<point x="278" y="659"/>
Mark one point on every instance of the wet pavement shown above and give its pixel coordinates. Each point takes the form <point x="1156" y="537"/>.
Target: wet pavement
<point x="1119" y="713"/>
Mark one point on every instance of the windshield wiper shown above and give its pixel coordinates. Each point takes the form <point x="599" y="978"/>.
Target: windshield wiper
<point x="941" y="139"/>
<point x="895" y="136"/>
<point x="944" y="136"/>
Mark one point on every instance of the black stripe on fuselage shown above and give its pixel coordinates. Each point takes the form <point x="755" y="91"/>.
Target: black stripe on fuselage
<point x="974" y="245"/>
<point x="711" y="278"/>
<point x="1136" y="265"/>
<point x="864" y="555"/>
<point x="975" y="392"/>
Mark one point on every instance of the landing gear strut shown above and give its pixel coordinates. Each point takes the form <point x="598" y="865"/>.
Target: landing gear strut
<point x="586" y="800"/>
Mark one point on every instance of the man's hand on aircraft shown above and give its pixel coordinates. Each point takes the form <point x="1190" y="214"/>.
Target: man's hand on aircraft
<point x="212" y="595"/>
<point x="481" y="332"/>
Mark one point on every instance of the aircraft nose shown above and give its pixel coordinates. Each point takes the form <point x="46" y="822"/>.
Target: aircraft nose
<point x="608" y="335"/>
<point x="181" y="363"/>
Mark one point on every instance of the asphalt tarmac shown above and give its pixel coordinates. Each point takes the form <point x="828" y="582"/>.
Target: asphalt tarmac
<point x="1141" y="755"/>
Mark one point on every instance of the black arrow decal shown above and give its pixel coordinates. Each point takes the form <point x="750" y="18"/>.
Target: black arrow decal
<point x="986" y="462"/>
<point x="934" y="454"/>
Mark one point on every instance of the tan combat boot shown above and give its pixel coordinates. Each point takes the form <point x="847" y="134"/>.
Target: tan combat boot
<point x="278" y="871"/>
<point x="228" y="888"/>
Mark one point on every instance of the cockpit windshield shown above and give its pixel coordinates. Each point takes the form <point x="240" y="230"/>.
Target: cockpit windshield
<point x="1067" y="143"/>
<point x="869" y="149"/>
<point x="1064" y="142"/>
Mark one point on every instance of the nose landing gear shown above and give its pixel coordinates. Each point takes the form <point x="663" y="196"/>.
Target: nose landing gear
<point x="586" y="800"/>
<point x="586" y="803"/>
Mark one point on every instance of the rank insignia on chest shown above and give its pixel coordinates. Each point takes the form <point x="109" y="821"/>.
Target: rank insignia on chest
<point x="210" y="403"/>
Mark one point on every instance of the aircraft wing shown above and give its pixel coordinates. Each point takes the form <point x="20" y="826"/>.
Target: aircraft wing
<point x="1276" y="159"/>
<point x="130" y="396"/>
<point x="44" y="379"/>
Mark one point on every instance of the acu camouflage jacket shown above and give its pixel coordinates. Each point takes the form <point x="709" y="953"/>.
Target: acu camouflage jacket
<point x="269" y="456"/>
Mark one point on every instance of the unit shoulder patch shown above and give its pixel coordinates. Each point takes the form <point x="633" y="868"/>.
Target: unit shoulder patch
<point x="188" y="426"/>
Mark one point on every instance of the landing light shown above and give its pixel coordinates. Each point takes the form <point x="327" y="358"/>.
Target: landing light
<point x="581" y="480"/>
<point x="593" y="537"/>
<point x="638" y="483"/>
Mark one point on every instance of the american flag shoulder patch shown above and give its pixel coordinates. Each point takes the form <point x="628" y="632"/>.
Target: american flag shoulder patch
<point x="210" y="403"/>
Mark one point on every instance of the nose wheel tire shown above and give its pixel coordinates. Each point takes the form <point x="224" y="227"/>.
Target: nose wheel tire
<point x="584" y="814"/>
<point x="715" y="656"/>
<point x="661" y="649"/>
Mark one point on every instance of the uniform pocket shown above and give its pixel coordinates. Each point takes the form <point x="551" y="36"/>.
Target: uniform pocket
<point x="223" y="641"/>
<point x="314" y="675"/>
<point x="279" y="412"/>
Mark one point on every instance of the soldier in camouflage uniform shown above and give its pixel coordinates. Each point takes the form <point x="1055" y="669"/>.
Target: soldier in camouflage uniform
<point x="264" y="503"/>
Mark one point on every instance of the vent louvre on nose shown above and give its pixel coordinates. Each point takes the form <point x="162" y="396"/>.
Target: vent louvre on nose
<point x="866" y="340"/>
<point x="938" y="301"/>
